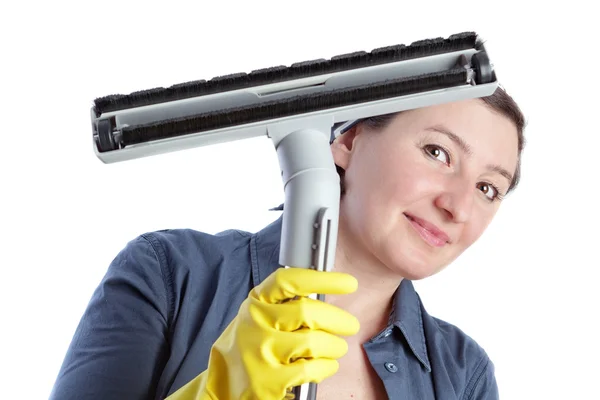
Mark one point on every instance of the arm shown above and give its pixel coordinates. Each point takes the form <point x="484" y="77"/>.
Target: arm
<point x="483" y="383"/>
<point x="120" y="345"/>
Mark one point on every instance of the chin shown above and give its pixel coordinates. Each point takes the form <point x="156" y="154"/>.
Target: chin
<point x="415" y="271"/>
<point x="414" y="264"/>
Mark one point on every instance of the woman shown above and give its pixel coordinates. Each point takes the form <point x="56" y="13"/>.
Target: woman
<point x="188" y="315"/>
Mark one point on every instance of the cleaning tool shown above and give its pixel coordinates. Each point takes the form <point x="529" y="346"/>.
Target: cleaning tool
<point x="301" y="109"/>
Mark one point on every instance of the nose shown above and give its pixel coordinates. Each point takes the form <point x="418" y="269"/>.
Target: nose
<point x="457" y="200"/>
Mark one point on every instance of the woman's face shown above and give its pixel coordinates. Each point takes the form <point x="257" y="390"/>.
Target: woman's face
<point x="424" y="189"/>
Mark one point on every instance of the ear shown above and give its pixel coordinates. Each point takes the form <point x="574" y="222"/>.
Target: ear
<point x="342" y="146"/>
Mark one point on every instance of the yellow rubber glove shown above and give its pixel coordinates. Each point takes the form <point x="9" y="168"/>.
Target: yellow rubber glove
<point x="277" y="341"/>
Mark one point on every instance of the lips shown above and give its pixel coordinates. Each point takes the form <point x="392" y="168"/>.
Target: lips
<point x="428" y="231"/>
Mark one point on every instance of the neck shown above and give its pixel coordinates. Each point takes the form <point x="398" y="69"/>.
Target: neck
<point x="372" y="301"/>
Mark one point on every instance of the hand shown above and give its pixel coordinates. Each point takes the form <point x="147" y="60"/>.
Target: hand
<point x="279" y="339"/>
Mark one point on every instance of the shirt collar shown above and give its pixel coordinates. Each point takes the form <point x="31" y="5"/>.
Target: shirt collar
<point x="407" y="313"/>
<point x="407" y="316"/>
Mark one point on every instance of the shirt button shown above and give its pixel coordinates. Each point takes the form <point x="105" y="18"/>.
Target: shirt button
<point x="391" y="367"/>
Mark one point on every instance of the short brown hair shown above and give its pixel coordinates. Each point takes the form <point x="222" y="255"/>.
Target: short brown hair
<point x="500" y="101"/>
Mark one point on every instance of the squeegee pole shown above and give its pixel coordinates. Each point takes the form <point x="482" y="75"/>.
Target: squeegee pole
<point x="311" y="208"/>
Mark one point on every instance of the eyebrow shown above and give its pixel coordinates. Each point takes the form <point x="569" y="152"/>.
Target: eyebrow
<point x="468" y="150"/>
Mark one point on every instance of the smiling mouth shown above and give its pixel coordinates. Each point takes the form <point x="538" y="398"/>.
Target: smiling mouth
<point x="429" y="233"/>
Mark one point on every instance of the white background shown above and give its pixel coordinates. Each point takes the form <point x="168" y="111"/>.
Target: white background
<point x="527" y="291"/>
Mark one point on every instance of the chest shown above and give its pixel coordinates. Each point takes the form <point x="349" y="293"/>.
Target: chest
<point x="356" y="379"/>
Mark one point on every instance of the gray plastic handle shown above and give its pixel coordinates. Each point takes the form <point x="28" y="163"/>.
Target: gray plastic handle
<point x="312" y="192"/>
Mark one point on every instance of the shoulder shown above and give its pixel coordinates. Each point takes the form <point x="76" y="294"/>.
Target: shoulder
<point x="194" y="243"/>
<point x="458" y="355"/>
<point x="181" y="267"/>
<point x="456" y="338"/>
<point x="173" y="256"/>
<point x="194" y="252"/>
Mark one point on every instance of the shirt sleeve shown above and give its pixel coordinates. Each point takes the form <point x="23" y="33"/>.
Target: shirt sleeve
<point x="120" y="345"/>
<point x="484" y="385"/>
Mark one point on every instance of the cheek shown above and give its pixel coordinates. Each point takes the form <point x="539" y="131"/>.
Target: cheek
<point x="414" y="181"/>
<point x="477" y="225"/>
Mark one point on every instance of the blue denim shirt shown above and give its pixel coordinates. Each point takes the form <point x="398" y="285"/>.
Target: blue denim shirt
<point x="169" y="294"/>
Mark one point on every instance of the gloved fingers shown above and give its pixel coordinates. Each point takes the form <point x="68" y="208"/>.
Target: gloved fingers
<point x="309" y="344"/>
<point x="287" y="283"/>
<point x="304" y="313"/>
<point x="309" y="371"/>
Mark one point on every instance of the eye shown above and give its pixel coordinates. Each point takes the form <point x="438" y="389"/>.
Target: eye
<point x="490" y="191"/>
<point x="437" y="152"/>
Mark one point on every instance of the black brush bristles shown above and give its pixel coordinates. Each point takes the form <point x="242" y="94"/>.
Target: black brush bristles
<point x="422" y="48"/>
<point x="294" y="106"/>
